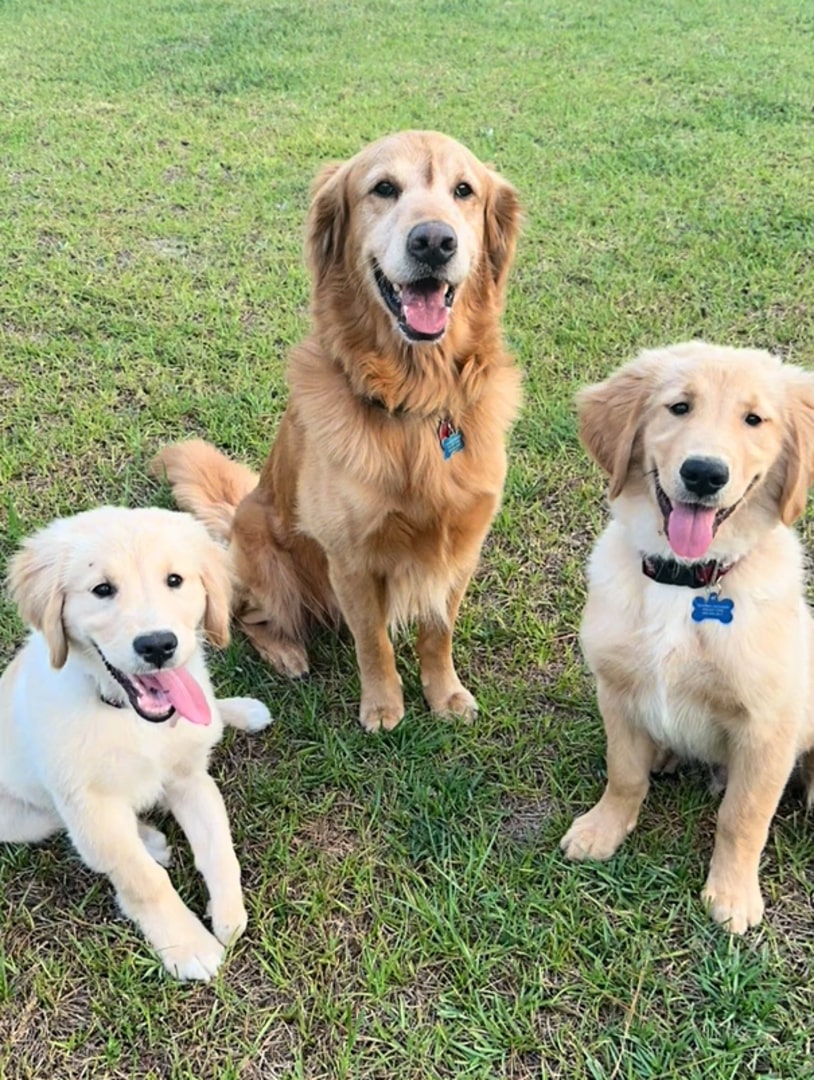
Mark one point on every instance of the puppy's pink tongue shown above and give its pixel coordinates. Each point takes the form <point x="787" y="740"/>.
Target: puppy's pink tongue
<point x="182" y="692"/>
<point x="689" y="529"/>
<point x="424" y="306"/>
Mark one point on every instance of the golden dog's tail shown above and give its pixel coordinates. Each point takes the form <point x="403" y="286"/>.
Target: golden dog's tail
<point x="205" y="482"/>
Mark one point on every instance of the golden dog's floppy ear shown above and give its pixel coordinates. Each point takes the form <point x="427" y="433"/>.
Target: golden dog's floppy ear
<point x="327" y="220"/>
<point x="610" y="415"/>
<point x="36" y="587"/>
<point x="217" y="582"/>
<point x="501" y="227"/>
<point x="799" y="448"/>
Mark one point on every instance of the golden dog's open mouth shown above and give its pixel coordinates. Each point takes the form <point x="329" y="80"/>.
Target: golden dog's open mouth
<point x="157" y="696"/>
<point x="421" y="308"/>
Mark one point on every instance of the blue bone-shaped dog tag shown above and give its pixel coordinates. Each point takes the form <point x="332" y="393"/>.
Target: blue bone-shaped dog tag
<point x="712" y="608"/>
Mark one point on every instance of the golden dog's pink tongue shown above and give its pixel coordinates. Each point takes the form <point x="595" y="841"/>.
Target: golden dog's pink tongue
<point x="424" y="308"/>
<point x="690" y="529"/>
<point x="179" y="689"/>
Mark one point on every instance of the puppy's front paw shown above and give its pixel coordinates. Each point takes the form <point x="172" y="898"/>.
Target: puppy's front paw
<point x="244" y="713"/>
<point x="228" y="922"/>
<point x="197" y="957"/>
<point x="595" y="835"/>
<point x="736" y="905"/>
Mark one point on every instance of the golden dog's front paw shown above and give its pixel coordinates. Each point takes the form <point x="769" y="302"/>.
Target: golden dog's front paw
<point x="595" y="835"/>
<point x="377" y="717"/>
<point x="460" y="703"/>
<point x="736" y="905"/>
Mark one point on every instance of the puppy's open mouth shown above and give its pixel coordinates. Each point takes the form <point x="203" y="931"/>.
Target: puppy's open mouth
<point x="691" y="527"/>
<point x="421" y="308"/>
<point x="158" y="695"/>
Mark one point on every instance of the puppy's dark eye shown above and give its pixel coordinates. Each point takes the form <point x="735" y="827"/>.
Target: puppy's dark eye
<point x="680" y="408"/>
<point x="753" y="420"/>
<point x="175" y="581"/>
<point x="103" y="590"/>
<point x="463" y="190"/>
<point x="385" y="190"/>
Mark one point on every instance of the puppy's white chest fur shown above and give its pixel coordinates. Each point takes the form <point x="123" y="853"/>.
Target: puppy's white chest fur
<point x="693" y="686"/>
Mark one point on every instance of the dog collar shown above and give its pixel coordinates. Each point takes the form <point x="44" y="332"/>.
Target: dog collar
<point x="699" y="575"/>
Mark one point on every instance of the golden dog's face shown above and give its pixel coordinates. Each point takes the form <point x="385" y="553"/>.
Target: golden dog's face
<point x="128" y="591"/>
<point x="413" y="219"/>
<point x="704" y="432"/>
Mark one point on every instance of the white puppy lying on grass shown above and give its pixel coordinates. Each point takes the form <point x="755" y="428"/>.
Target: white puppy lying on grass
<point x="108" y="710"/>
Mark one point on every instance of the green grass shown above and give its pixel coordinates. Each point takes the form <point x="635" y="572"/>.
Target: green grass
<point x="410" y="914"/>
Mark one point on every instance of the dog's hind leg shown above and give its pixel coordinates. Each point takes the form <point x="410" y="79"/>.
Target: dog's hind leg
<point x="22" y="823"/>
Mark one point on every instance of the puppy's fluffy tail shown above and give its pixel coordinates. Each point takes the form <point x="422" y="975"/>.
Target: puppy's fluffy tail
<point x="205" y="482"/>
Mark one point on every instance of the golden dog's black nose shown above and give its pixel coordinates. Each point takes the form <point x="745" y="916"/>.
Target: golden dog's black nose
<point x="156" y="648"/>
<point x="432" y="243"/>
<point x="704" y="475"/>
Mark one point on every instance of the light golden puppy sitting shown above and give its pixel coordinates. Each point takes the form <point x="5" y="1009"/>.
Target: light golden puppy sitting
<point x="695" y="626"/>
<point x="108" y="710"/>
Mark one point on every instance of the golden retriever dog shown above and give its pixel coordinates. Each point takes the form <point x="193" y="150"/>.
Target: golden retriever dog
<point x="389" y="463"/>
<point x="696" y="627"/>
<point x="108" y="710"/>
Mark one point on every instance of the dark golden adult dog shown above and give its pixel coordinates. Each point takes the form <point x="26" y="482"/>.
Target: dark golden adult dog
<point x="390" y="459"/>
<point x="696" y="624"/>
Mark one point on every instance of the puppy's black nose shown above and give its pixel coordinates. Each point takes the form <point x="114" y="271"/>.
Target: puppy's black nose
<point x="156" y="648"/>
<point x="704" y="475"/>
<point x="432" y="243"/>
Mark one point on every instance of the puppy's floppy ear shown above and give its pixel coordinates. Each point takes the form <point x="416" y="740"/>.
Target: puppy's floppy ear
<point x="327" y="220"/>
<point x="36" y="587"/>
<point x="501" y="227"/>
<point x="217" y="582"/>
<point x="799" y="448"/>
<point x="610" y="416"/>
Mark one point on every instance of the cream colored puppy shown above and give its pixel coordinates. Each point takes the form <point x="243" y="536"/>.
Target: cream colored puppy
<point x="108" y="710"/>
<point x="696" y="627"/>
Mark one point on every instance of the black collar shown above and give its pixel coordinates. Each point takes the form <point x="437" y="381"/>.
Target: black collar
<point x="698" y="575"/>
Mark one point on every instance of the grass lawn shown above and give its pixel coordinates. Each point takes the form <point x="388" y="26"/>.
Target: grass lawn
<point x="410" y="913"/>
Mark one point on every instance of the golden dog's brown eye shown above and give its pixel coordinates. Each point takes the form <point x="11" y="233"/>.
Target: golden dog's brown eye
<point x="385" y="190"/>
<point x="463" y="190"/>
<point x="175" y="581"/>
<point x="681" y="408"/>
<point x="103" y="590"/>
<point x="753" y="420"/>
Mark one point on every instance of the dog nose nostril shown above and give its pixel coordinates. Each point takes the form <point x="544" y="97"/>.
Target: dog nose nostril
<point x="704" y="476"/>
<point x="156" y="648"/>
<point x="432" y="243"/>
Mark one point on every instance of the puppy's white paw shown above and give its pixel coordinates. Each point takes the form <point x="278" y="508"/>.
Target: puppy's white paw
<point x="245" y="713"/>
<point x="156" y="843"/>
<point x="229" y="922"/>
<point x="198" y="957"/>
<point x="257" y="715"/>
